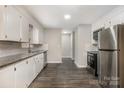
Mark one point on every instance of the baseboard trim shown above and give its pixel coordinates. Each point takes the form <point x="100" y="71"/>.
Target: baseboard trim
<point x="54" y="61"/>
<point x="79" y="66"/>
<point x="66" y="57"/>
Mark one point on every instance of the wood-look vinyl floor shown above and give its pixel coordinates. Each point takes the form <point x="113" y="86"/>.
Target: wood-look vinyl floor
<point x="65" y="75"/>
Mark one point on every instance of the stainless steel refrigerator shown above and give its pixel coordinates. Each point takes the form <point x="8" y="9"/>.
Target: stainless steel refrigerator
<point x="111" y="56"/>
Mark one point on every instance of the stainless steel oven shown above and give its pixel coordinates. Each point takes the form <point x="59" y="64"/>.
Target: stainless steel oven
<point x="92" y="61"/>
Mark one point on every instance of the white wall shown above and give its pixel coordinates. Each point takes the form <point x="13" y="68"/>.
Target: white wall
<point x="53" y="39"/>
<point x="82" y="44"/>
<point x="116" y="16"/>
<point x="67" y="45"/>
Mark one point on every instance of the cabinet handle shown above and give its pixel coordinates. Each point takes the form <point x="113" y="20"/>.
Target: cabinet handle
<point x="20" y="16"/>
<point x="109" y="22"/>
<point x="20" y="39"/>
<point x="5" y="36"/>
<point x="15" y="69"/>
<point x="26" y="62"/>
<point x="5" y="5"/>
<point x="26" y="85"/>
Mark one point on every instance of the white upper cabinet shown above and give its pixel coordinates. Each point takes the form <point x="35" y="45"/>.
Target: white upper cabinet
<point x="24" y="29"/>
<point x="2" y="23"/>
<point x="9" y="23"/>
<point x="35" y="35"/>
<point x="41" y="36"/>
<point x="12" y="24"/>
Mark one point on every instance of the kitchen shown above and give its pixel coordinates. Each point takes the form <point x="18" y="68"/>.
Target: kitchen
<point x="60" y="46"/>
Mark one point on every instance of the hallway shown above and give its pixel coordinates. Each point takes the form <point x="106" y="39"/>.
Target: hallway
<point x="65" y="75"/>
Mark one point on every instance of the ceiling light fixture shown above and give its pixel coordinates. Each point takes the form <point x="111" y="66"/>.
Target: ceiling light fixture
<point x="67" y="16"/>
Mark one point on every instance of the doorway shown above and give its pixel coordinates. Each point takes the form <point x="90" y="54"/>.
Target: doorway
<point x="67" y="45"/>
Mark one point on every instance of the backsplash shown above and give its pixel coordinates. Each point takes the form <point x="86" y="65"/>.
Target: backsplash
<point x="36" y="47"/>
<point x="93" y="48"/>
<point x="11" y="48"/>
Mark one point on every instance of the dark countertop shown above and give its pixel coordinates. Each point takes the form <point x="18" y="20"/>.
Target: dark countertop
<point x="4" y="61"/>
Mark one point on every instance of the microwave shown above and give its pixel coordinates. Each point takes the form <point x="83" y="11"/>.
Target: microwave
<point x="95" y="34"/>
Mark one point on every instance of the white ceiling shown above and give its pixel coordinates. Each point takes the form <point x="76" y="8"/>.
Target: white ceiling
<point x="52" y="16"/>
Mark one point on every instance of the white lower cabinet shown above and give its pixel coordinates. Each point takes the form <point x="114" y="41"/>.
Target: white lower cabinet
<point x="21" y="74"/>
<point x="41" y="61"/>
<point x="30" y="71"/>
<point x="7" y="77"/>
<point x="25" y="73"/>
<point x="36" y="65"/>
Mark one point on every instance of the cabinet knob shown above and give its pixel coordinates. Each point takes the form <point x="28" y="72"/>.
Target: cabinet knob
<point x="15" y="69"/>
<point x="109" y="22"/>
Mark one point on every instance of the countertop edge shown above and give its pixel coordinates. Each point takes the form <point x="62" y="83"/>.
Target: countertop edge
<point x="21" y="59"/>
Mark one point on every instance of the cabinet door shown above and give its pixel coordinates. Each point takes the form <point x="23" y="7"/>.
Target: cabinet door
<point x="34" y="38"/>
<point x="12" y="24"/>
<point x="2" y="23"/>
<point x="30" y="71"/>
<point x="24" y="27"/>
<point x="37" y="65"/>
<point x="41" y="61"/>
<point x="7" y="79"/>
<point x="21" y="74"/>
<point x="41" y="36"/>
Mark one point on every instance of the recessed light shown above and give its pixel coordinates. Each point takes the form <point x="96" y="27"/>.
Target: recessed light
<point x="67" y="16"/>
<point x="65" y="32"/>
